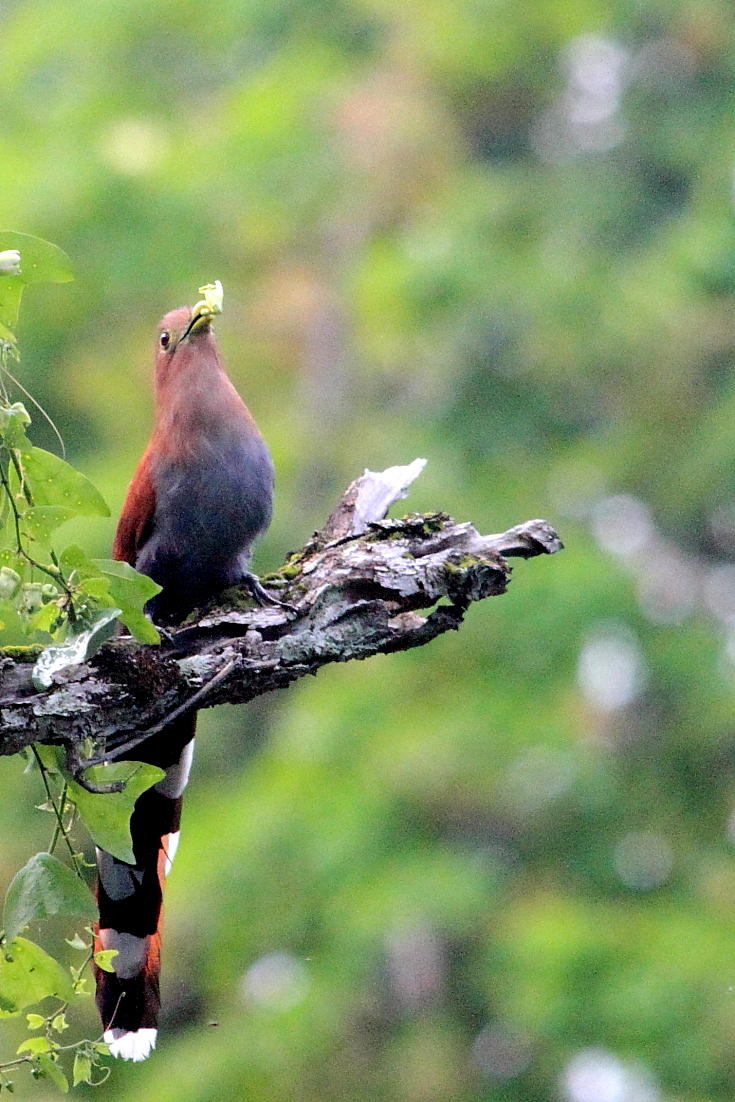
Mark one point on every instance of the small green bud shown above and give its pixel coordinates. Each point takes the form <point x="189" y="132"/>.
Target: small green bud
<point x="49" y="592"/>
<point x="10" y="262"/>
<point x="9" y="582"/>
<point x="31" y="600"/>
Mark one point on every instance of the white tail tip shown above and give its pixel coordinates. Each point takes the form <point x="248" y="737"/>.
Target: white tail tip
<point x="130" y="1046"/>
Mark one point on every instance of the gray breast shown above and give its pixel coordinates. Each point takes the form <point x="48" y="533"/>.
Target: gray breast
<point x="210" y="507"/>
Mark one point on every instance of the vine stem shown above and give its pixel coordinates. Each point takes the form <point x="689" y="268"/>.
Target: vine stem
<point x="56" y="573"/>
<point x="29" y="1058"/>
<point x="57" y="825"/>
<point x="76" y="1046"/>
<point x="59" y="829"/>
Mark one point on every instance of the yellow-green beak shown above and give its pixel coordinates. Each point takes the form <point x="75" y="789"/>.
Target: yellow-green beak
<point x="209" y="305"/>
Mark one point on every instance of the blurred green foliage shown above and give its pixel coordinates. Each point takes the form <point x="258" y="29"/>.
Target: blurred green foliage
<point x="501" y="236"/>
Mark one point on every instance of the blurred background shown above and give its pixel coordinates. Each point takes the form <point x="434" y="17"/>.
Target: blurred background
<point x="500" y="236"/>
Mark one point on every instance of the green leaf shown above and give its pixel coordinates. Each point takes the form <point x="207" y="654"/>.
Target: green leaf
<point x="10" y="618"/>
<point x="40" y="521"/>
<point x="107" y="815"/>
<point x="13" y="422"/>
<point x="131" y="591"/>
<point x="35" y="1045"/>
<point x="51" y="757"/>
<point x="76" y="942"/>
<point x="74" y="558"/>
<point x="27" y="975"/>
<point x="77" y="648"/>
<point x="82" y="1072"/>
<point x="51" y="1070"/>
<point x="97" y="590"/>
<point x="43" y="887"/>
<point x="8" y="337"/>
<point x="103" y="958"/>
<point x="40" y="262"/>
<point x="35" y="1021"/>
<point x="53" y="481"/>
<point x="44" y="618"/>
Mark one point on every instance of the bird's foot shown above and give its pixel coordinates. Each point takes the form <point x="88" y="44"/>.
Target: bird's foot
<point x="162" y="631"/>
<point x="260" y="594"/>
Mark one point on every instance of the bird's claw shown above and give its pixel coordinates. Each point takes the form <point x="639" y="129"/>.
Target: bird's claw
<point x="162" y="631"/>
<point x="261" y="595"/>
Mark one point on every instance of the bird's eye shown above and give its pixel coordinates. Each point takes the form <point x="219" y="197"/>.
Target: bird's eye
<point x="165" y="339"/>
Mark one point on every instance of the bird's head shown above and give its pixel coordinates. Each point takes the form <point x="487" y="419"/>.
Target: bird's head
<point x="185" y="335"/>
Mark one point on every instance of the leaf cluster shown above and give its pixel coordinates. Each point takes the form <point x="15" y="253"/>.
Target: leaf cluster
<point x="59" y="598"/>
<point x="46" y="887"/>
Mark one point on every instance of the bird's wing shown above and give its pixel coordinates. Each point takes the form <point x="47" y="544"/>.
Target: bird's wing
<point x="136" y="519"/>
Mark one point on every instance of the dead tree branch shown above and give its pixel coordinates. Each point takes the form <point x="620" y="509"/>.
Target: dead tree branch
<point x="362" y="585"/>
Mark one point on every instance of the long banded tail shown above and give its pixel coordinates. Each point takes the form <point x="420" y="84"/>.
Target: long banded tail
<point x="130" y="897"/>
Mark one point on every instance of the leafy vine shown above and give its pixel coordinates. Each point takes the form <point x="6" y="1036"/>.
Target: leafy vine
<point x="64" y="604"/>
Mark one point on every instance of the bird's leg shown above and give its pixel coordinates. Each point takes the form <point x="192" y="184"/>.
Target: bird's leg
<point x="162" y="631"/>
<point x="260" y="594"/>
<point x="165" y="634"/>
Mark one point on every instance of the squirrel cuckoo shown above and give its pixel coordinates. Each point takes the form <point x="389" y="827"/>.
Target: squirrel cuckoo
<point x="199" y="497"/>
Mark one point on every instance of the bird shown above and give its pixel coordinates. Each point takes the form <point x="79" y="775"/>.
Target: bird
<point x="200" y="496"/>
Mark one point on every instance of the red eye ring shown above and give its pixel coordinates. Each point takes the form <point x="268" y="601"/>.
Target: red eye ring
<point x="164" y="339"/>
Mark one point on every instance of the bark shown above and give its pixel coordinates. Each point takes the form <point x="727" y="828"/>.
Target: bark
<point x="362" y="585"/>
